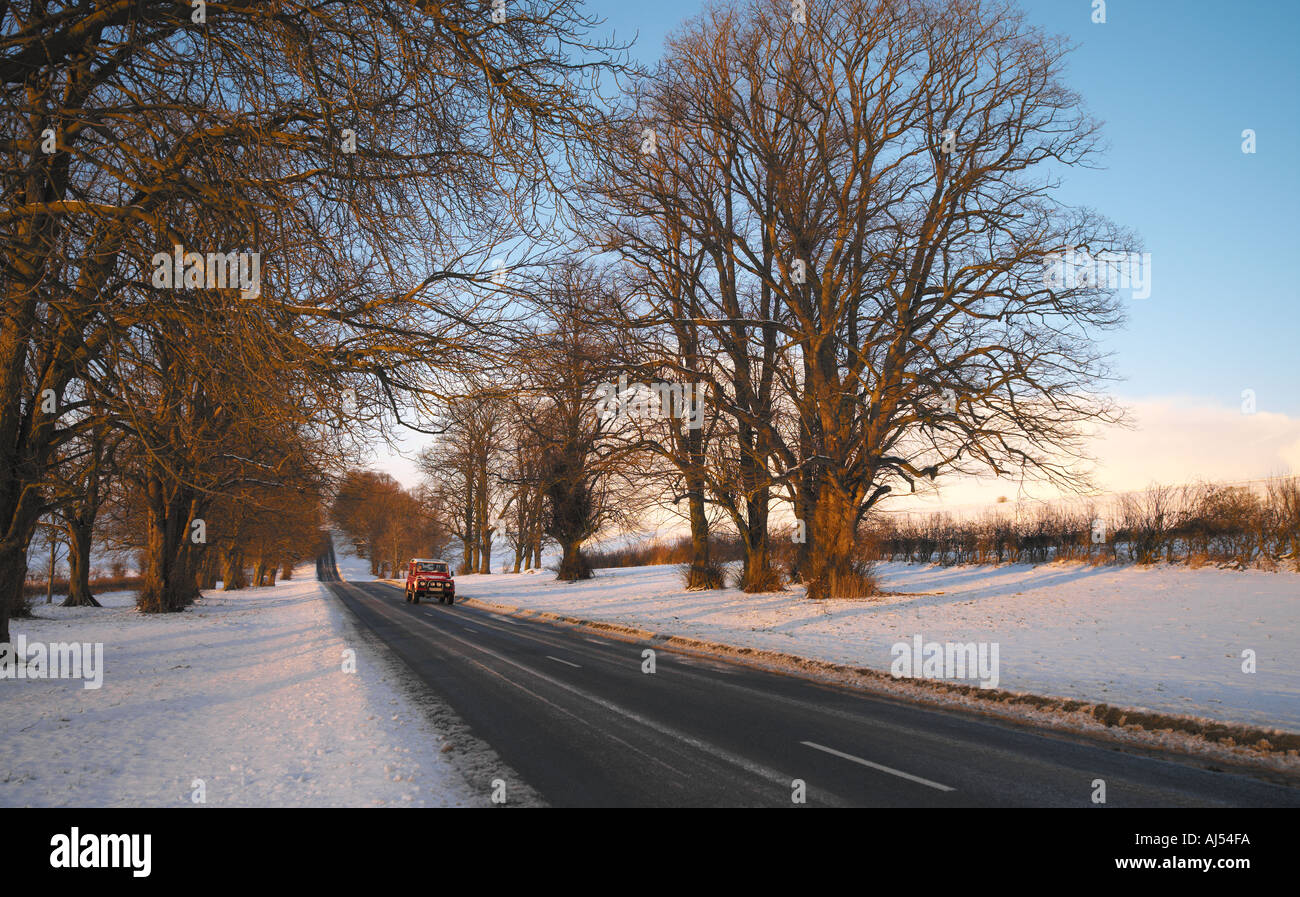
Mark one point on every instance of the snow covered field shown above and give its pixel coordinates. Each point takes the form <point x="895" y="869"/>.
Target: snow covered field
<point x="1167" y="639"/>
<point x="245" y="692"/>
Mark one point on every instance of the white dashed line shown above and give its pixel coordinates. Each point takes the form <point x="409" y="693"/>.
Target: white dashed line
<point x="877" y="766"/>
<point x="565" y="662"/>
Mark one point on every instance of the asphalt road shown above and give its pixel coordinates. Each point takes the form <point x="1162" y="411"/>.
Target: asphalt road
<point x="575" y="716"/>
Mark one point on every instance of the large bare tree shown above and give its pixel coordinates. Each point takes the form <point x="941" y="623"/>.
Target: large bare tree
<point x="873" y="190"/>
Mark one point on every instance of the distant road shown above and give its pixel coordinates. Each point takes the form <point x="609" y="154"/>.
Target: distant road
<point x="576" y="718"/>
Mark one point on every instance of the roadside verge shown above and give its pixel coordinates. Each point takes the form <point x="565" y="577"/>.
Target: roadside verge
<point x="1255" y="747"/>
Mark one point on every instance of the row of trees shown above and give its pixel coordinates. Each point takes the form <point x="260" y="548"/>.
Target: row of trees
<point x="239" y="240"/>
<point x="837" y="227"/>
<point x="525" y="456"/>
<point x="386" y="523"/>
<point x="155" y="472"/>
<point x="1198" y="523"/>
<point x="820" y="239"/>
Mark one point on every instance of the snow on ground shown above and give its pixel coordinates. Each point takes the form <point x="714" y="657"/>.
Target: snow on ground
<point x="244" y="691"/>
<point x="1168" y="639"/>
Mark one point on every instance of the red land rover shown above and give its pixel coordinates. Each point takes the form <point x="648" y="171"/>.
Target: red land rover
<point x="428" y="578"/>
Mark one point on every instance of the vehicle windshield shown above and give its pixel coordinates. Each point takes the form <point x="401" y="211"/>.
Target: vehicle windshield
<point x="431" y="567"/>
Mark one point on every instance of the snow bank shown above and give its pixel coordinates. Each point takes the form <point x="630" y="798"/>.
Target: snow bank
<point x="242" y="697"/>
<point x="1167" y="639"/>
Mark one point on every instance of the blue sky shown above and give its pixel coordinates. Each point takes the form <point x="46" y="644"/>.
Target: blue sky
<point x="1175" y="82"/>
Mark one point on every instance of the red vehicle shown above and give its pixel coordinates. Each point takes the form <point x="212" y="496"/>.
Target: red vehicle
<point x="428" y="578"/>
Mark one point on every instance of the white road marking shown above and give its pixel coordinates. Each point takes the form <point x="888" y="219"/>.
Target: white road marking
<point x="595" y="641"/>
<point x="777" y="778"/>
<point x="558" y="660"/>
<point x="879" y="767"/>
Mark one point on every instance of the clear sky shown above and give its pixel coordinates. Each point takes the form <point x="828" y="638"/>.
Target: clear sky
<point x="1175" y="83"/>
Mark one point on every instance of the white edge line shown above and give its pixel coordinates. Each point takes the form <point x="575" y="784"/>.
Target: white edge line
<point x="877" y="766"/>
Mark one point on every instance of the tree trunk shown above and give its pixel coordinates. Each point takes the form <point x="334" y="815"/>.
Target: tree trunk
<point x="467" y="539"/>
<point x="808" y="484"/>
<point x="805" y="509"/>
<point x="49" y="574"/>
<point x="539" y="527"/>
<point x="702" y="575"/>
<point x="834" y="569"/>
<point x="758" y="575"/>
<point x="27" y="429"/>
<point x="232" y="571"/>
<point x="79" y="541"/>
<point x="205" y="577"/>
<point x="13" y="573"/>
<point x="485" y="551"/>
<point x="573" y="563"/>
<point x="168" y="577"/>
<point x="13" y="559"/>
<point x="485" y="528"/>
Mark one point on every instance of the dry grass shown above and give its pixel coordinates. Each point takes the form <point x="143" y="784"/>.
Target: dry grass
<point x="1198" y="524"/>
<point x="702" y="578"/>
<point x="757" y="581"/>
<point x="722" y="549"/>
<point x="34" y="588"/>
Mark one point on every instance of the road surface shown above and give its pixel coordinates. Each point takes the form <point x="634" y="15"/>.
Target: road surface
<point x="576" y="717"/>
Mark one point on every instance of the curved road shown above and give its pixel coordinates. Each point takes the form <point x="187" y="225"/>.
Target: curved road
<point x="575" y="716"/>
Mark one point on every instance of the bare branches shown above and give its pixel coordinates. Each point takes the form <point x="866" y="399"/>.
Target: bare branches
<point x="855" y="216"/>
<point x="367" y="159"/>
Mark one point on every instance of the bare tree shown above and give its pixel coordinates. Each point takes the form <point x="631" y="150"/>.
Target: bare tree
<point x="561" y="367"/>
<point x="874" y="189"/>
<point x="460" y="471"/>
<point x="86" y="466"/>
<point x="418" y="136"/>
